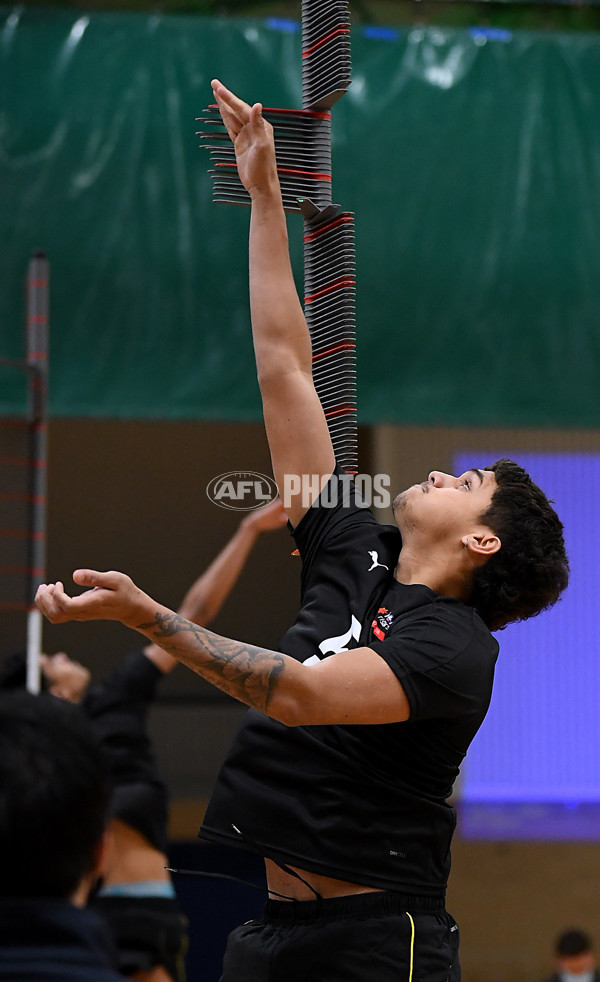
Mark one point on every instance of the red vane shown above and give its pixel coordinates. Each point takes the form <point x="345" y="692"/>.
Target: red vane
<point x="342" y="411"/>
<point x="305" y="173"/>
<point x="346" y="346"/>
<point x="341" y="220"/>
<point x="328" y="289"/>
<point x="318" y="44"/>
<point x="288" y="170"/>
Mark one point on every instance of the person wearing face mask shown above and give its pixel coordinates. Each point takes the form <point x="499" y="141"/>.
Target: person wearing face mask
<point x="575" y="958"/>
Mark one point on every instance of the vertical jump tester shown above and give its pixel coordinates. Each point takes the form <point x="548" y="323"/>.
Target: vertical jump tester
<point x="303" y="150"/>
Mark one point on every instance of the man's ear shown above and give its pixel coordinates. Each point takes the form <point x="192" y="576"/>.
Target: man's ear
<point x="483" y="543"/>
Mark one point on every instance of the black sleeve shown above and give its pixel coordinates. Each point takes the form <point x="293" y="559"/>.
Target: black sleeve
<point x="117" y="708"/>
<point x="444" y="662"/>
<point x="132" y="683"/>
<point x="335" y="513"/>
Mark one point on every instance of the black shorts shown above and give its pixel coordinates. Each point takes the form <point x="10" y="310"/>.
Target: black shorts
<point x="148" y="931"/>
<point x="369" y="937"/>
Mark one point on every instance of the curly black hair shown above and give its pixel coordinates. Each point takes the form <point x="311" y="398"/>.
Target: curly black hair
<point x="531" y="568"/>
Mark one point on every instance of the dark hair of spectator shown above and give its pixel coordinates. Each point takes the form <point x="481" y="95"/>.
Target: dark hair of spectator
<point x="54" y="794"/>
<point x="573" y="942"/>
<point x="13" y="671"/>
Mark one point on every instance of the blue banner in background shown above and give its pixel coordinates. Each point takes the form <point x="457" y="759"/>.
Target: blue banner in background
<point x="533" y="771"/>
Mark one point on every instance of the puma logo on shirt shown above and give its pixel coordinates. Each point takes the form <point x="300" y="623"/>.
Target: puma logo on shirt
<point x="375" y="561"/>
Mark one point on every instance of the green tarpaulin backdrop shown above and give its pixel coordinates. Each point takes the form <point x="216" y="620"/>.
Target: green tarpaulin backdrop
<point x="472" y="162"/>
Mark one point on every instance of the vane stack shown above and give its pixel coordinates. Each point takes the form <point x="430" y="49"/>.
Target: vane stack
<point x="329" y="258"/>
<point x="303" y="149"/>
<point x="329" y="307"/>
<point x="325" y="52"/>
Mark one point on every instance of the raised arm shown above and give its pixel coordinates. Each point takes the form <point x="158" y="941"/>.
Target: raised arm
<point x="352" y="687"/>
<point x="296" y="426"/>
<point x="208" y="593"/>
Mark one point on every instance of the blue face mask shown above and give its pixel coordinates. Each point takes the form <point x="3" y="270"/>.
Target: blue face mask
<point x="582" y="977"/>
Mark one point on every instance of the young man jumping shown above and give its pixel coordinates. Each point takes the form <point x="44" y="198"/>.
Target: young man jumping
<point x="341" y="774"/>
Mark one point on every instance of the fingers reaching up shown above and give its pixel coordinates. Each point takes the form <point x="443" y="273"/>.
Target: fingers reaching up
<point x="234" y="112"/>
<point x="252" y="137"/>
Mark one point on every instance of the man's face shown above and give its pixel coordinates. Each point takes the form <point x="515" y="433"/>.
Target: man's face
<point x="66" y="678"/>
<point x="577" y="964"/>
<point x="444" y="506"/>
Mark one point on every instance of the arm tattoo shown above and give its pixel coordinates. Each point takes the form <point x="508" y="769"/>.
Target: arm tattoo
<point x="243" y="671"/>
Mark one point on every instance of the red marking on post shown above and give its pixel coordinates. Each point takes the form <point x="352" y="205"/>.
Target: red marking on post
<point x="38" y="499"/>
<point x="22" y="461"/>
<point x="346" y="346"/>
<point x="342" y="411"/>
<point x="328" y="289"/>
<point x="287" y="170"/>
<point x="328" y="37"/>
<point x="342" y="220"/>
<point x="22" y="534"/>
<point x="22" y="569"/>
<point x="305" y="173"/>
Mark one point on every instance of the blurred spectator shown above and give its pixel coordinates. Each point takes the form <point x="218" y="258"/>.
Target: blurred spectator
<point x="574" y="958"/>
<point x="54" y="793"/>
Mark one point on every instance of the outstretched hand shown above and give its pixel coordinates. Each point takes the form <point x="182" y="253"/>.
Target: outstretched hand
<point x="252" y="137"/>
<point x="113" y="596"/>
<point x="267" y="518"/>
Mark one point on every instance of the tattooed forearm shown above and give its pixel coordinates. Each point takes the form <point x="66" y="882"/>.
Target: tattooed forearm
<point x="243" y="671"/>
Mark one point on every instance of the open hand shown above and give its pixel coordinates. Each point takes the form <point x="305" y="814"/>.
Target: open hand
<point x="267" y="518"/>
<point x="113" y="596"/>
<point x="252" y="137"/>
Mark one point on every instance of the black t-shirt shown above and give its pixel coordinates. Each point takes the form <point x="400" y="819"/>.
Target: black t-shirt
<point x="367" y="803"/>
<point x="117" y="708"/>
